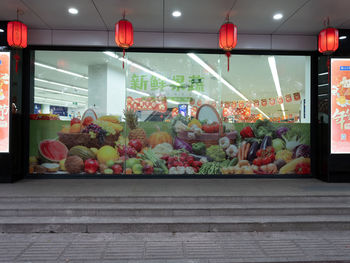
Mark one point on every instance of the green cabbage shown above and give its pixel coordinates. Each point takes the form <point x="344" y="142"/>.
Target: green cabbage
<point x="278" y="144"/>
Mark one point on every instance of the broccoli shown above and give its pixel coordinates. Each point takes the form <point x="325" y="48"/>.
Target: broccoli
<point x="263" y="128"/>
<point x="216" y="153"/>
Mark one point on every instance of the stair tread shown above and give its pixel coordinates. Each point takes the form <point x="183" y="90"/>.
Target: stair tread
<point x="174" y="219"/>
<point x="145" y="206"/>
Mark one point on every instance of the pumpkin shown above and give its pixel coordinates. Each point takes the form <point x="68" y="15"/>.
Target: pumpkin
<point x="159" y="137"/>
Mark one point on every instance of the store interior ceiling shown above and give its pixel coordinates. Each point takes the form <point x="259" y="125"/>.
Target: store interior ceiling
<point x="251" y="75"/>
<point x="302" y="17"/>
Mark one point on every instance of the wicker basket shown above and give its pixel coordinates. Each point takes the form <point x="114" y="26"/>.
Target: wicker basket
<point x="74" y="139"/>
<point x="208" y="139"/>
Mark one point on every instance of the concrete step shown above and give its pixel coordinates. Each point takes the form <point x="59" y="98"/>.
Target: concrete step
<point x="173" y="224"/>
<point x="178" y="199"/>
<point x="173" y="214"/>
<point x="42" y="209"/>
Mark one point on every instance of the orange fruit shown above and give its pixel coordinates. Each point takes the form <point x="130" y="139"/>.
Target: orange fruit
<point x="75" y="128"/>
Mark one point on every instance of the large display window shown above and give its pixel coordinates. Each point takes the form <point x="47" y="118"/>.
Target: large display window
<point x="169" y="114"/>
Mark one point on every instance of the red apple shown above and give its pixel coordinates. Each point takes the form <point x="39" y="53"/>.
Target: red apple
<point x="91" y="166"/>
<point x="75" y="121"/>
<point x="117" y="169"/>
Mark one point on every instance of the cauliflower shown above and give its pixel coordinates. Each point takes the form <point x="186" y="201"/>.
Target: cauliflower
<point x="232" y="151"/>
<point x="179" y="127"/>
<point x="224" y="142"/>
<point x="216" y="153"/>
<point x="163" y="148"/>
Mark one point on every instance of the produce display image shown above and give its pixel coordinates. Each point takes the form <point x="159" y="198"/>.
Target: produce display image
<point x="197" y="145"/>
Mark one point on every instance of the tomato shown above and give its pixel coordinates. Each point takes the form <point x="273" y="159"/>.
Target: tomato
<point x="87" y="120"/>
<point x="74" y="121"/>
<point x="211" y="128"/>
<point x="266" y="160"/>
<point x="257" y="161"/>
<point x="259" y="152"/>
<point x="270" y="149"/>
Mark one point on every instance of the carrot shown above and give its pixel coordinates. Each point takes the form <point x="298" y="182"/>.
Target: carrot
<point x="241" y="151"/>
<point x="246" y="151"/>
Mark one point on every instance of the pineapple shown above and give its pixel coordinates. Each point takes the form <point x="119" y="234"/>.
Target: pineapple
<point x="135" y="131"/>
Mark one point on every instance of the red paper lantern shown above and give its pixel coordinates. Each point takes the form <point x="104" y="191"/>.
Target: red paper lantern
<point x="228" y="39"/>
<point x="124" y="35"/>
<point x="17" y="34"/>
<point x="328" y="40"/>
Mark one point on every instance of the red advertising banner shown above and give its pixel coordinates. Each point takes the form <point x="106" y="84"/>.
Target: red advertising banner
<point x="147" y="103"/>
<point x="340" y="106"/>
<point x="4" y="101"/>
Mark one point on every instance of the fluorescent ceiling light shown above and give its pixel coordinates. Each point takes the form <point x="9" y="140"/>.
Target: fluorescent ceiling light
<point x="1" y="30"/>
<point x="173" y="101"/>
<point x="138" y="92"/>
<point x="128" y="61"/>
<point x="324" y="73"/>
<point x="111" y="54"/>
<point x="277" y="16"/>
<point x="202" y="95"/>
<point x="219" y="78"/>
<point x="60" y="70"/>
<point x="176" y="13"/>
<point x="273" y="68"/>
<point x="73" y="11"/>
<point x="60" y="84"/>
<point x="322" y="85"/>
<point x="61" y="92"/>
<point x="55" y="101"/>
<point x="342" y="37"/>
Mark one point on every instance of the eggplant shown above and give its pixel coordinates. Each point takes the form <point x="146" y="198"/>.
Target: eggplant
<point x="252" y="151"/>
<point x="267" y="141"/>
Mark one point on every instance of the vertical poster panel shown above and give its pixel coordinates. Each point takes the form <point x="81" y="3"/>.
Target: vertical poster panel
<point x="340" y="106"/>
<point x="4" y="101"/>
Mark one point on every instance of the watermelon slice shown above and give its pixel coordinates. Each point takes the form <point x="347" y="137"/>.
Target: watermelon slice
<point x="52" y="151"/>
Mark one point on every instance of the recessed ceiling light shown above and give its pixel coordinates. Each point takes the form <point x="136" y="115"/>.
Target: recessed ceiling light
<point x="277" y="16"/>
<point x="342" y="37"/>
<point x="73" y="11"/>
<point x="1" y="30"/>
<point x="176" y="13"/>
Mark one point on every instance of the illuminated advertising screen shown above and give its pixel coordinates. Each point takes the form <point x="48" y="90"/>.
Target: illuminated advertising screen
<point x="4" y="101"/>
<point x="340" y="106"/>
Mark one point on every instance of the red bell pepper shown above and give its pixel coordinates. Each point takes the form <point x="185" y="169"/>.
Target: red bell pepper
<point x="303" y="168"/>
<point x="247" y="132"/>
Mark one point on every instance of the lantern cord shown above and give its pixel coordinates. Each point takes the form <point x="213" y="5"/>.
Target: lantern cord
<point x="228" y="54"/>
<point x="326" y="22"/>
<point x="328" y="66"/>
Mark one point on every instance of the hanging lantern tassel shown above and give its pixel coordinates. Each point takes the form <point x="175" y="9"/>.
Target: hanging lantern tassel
<point x="17" y="58"/>
<point x="123" y="56"/>
<point x="228" y="55"/>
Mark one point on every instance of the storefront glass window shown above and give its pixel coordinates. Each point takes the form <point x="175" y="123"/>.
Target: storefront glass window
<point x="170" y="113"/>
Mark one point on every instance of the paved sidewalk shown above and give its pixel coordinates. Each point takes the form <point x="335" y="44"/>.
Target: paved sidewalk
<point x="177" y="248"/>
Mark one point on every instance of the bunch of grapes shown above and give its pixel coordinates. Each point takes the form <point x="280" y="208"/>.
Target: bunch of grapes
<point x="95" y="131"/>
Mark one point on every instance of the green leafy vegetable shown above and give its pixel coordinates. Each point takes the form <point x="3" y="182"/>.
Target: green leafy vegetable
<point x="216" y="153"/>
<point x="199" y="148"/>
<point x="263" y="128"/>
